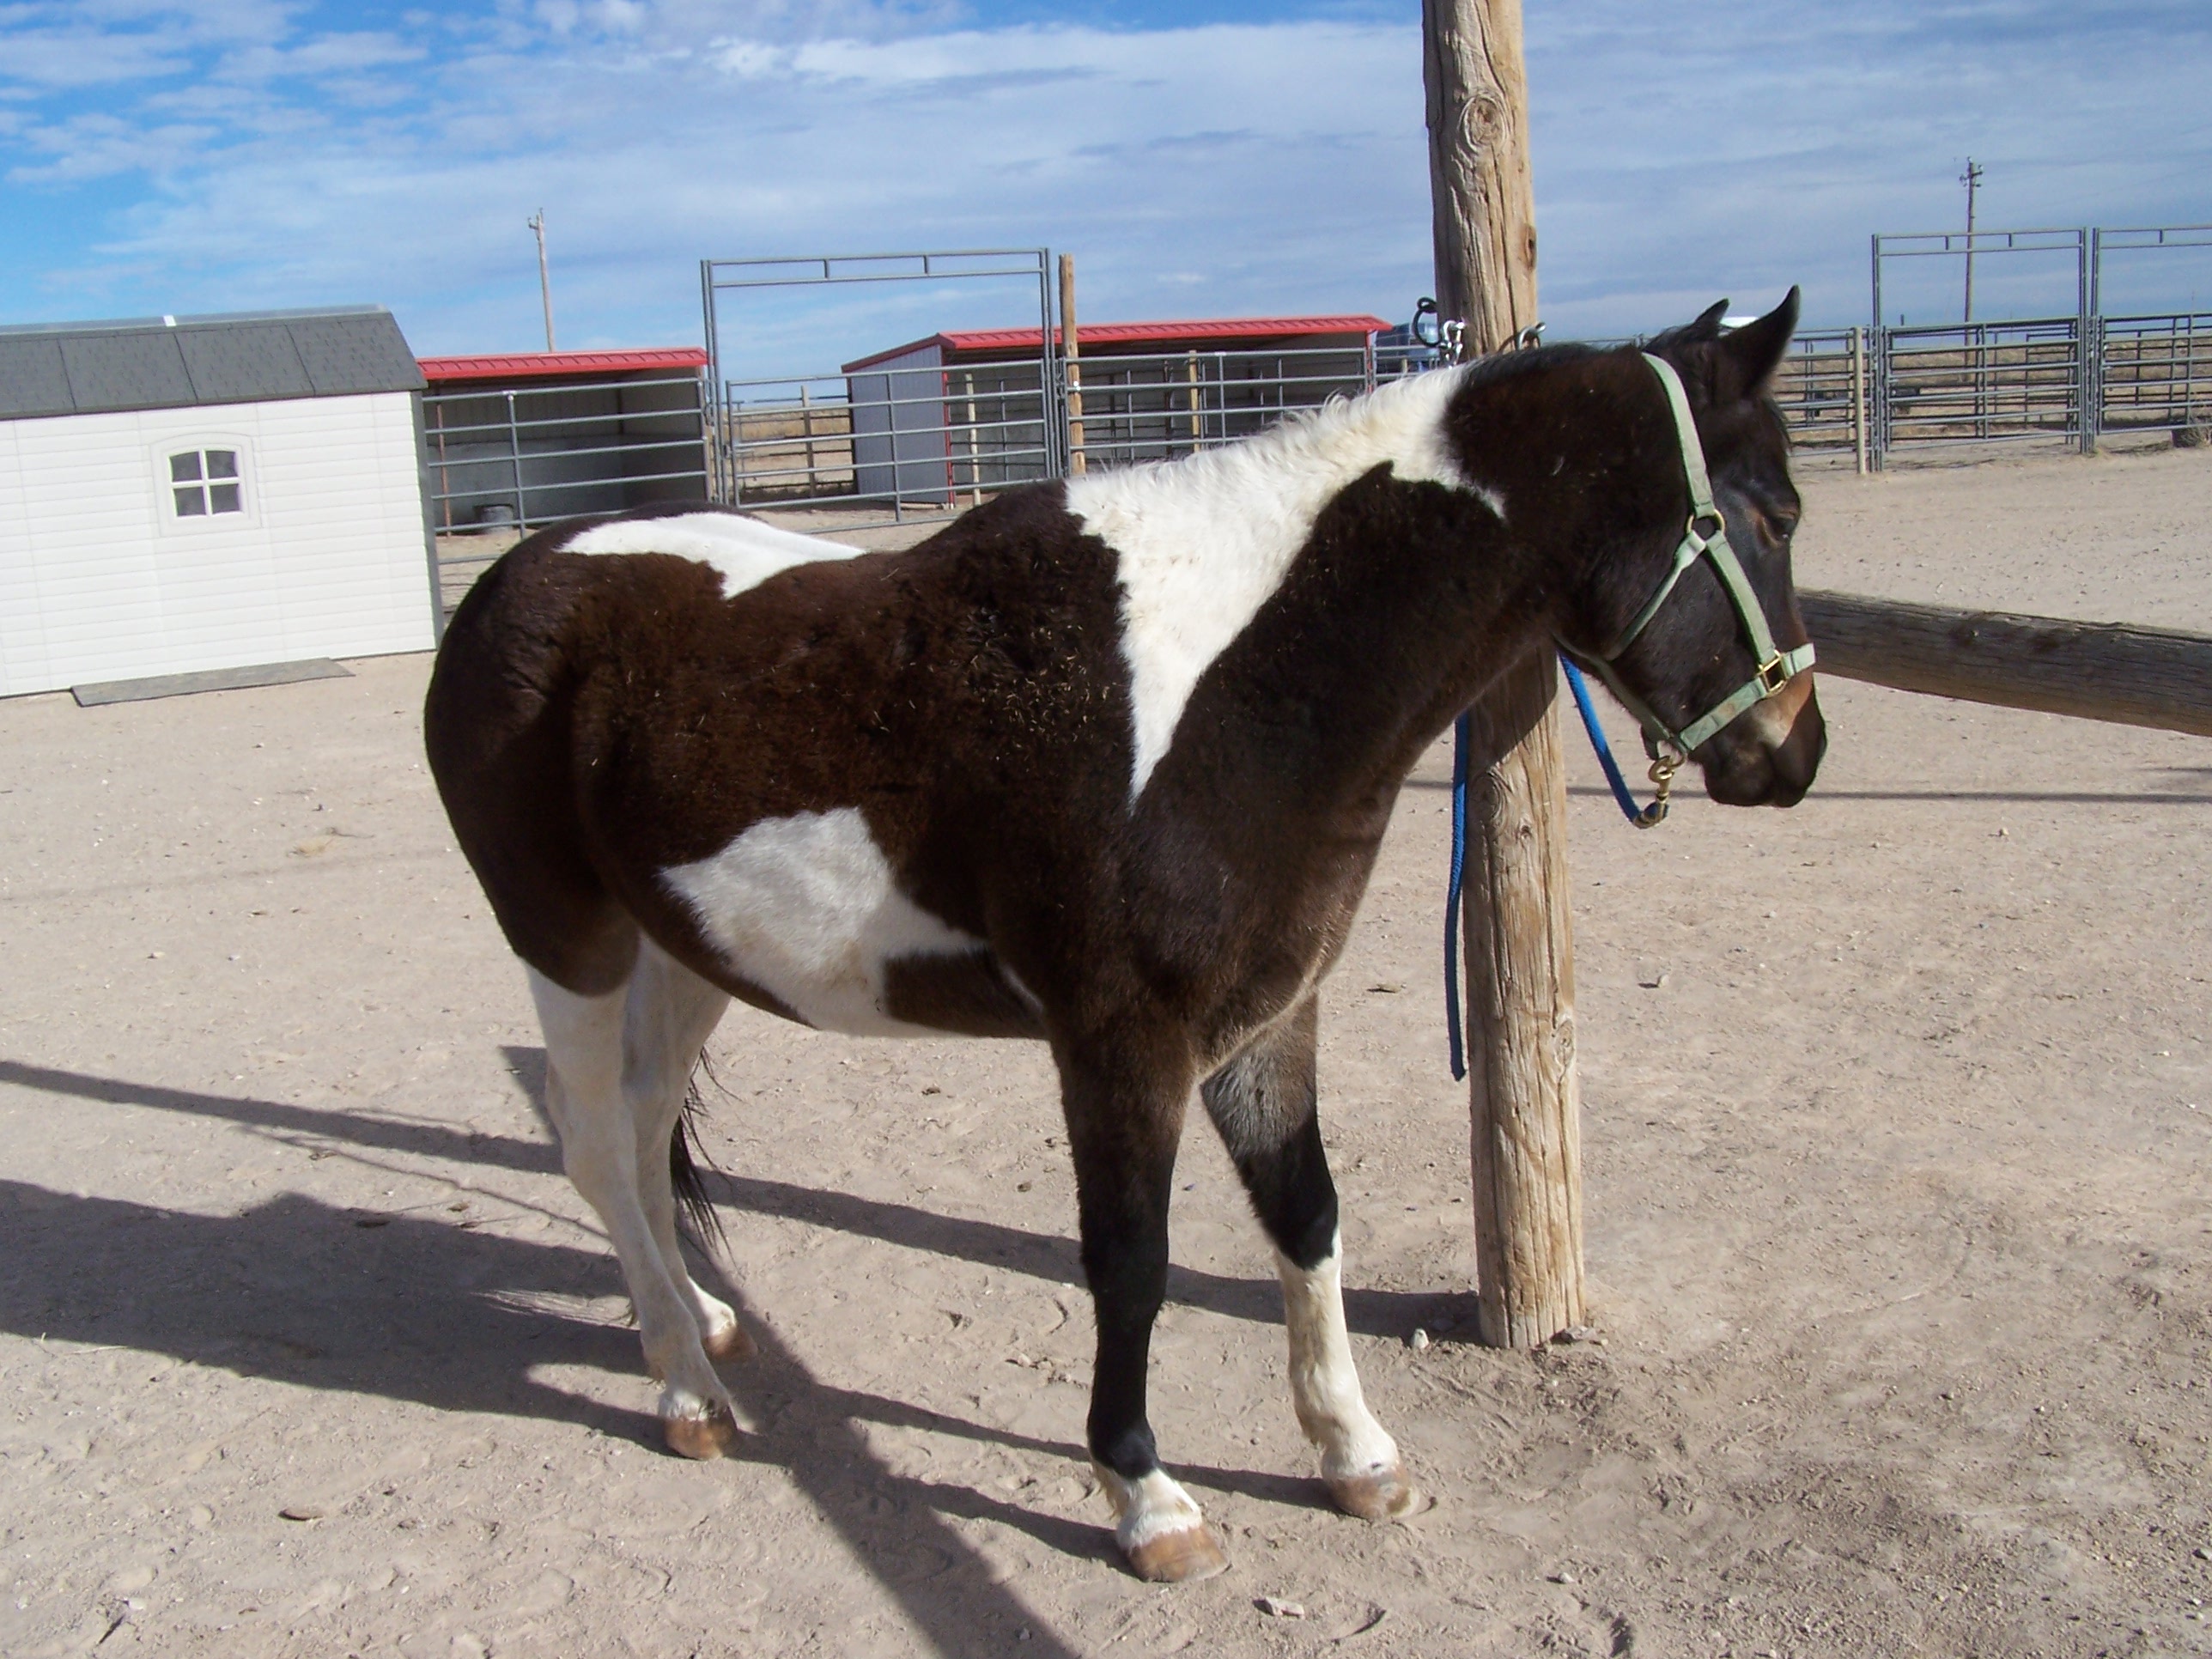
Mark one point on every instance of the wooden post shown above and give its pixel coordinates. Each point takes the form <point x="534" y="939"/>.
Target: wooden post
<point x="1068" y="348"/>
<point x="806" y="416"/>
<point x="1190" y="380"/>
<point x="1525" y="1092"/>
<point x="1859" y="401"/>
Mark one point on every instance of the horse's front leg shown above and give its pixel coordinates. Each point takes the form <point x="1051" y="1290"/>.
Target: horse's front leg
<point x="1264" y="1102"/>
<point x="1124" y="1117"/>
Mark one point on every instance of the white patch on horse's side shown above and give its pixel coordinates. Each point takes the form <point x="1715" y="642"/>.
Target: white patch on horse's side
<point x="746" y="552"/>
<point x="1324" y="1382"/>
<point x="1203" y="542"/>
<point x="805" y="907"/>
<point x="1151" y="1506"/>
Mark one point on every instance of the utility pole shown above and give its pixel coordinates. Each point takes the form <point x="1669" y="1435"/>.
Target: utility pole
<point x="536" y="222"/>
<point x="1972" y="179"/>
<point x="1524" y="1092"/>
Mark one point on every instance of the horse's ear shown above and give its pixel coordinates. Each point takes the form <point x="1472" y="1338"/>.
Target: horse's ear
<point x="1708" y="326"/>
<point x="1749" y="356"/>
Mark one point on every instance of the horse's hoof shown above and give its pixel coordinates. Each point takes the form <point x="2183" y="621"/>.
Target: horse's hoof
<point x="1178" y="1558"/>
<point x="732" y="1342"/>
<point x="1377" y="1494"/>
<point x="715" y="1435"/>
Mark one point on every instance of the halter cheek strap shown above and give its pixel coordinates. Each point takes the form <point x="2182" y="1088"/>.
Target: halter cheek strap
<point x="1706" y="537"/>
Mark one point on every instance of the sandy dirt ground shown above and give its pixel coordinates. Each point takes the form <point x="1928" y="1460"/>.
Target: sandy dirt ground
<point x="1898" y="1108"/>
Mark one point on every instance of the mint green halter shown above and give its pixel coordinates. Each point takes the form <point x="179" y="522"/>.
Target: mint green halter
<point x="1776" y="667"/>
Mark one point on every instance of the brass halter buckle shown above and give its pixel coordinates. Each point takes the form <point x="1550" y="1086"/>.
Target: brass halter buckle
<point x="1773" y="675"/>
<point x="1664" y="764"/>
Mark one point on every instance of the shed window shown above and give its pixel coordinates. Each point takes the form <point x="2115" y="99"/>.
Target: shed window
<point x="205" y="482"/>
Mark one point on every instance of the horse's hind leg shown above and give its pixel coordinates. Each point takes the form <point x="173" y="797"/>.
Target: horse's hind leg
<point x="1263" y="1103"/>
<point x="584" y="1096"/>
<point x="671" y="1014"/>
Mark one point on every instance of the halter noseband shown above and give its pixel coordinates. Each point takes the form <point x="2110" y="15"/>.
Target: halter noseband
<point x="1776" y="667"/>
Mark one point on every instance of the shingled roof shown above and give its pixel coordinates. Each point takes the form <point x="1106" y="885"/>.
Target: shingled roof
<point x="179" y="362"/>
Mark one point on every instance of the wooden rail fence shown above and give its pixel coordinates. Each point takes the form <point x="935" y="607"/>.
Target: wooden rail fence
<point x="2153" y="677"/>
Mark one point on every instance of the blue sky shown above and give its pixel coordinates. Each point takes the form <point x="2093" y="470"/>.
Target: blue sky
<point x="1203" y="158"/>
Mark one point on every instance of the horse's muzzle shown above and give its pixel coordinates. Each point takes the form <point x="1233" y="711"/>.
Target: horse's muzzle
<point x="1768" y="757"/>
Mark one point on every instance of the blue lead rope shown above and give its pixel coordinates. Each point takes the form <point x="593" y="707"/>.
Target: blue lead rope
<point x="1463" y="736"/>
<point x="1463" y="739"/>
<point x="1642" y="818"/>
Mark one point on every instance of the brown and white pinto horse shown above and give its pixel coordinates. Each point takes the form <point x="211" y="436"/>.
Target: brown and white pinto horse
<point x="1105" y="763"/>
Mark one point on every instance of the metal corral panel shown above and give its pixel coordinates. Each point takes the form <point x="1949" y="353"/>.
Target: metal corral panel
<point x="101" y="577"/>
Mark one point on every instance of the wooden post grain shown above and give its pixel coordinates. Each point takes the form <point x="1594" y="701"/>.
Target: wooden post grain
<point x="1068" y="348"/>
<point x="1524" y="1095"/>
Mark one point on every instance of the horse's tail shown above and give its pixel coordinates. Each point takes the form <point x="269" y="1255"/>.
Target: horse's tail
<point x="685" y="1176"/>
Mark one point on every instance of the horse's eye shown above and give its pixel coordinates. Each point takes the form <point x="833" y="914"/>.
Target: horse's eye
<point x="1775" y="526"/>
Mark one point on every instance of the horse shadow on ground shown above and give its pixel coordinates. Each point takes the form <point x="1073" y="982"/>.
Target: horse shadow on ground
<point x="430" y="1308"/>
<point x="1052" y="1258"/>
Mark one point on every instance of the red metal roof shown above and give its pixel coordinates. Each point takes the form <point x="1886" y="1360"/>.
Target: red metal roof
<point x="1164" y="333"/>
<point x="548" y="365"/>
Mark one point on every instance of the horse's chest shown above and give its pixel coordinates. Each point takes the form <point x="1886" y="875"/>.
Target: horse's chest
<point x="808" y="909"/>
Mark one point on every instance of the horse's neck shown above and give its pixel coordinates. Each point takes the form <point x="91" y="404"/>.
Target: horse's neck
<point x="1347" y="612"/>
<point x="1202" y="544"/>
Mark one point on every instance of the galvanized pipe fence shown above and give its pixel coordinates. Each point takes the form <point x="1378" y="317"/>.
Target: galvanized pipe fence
<point x="499" y="462"/>
<point x="502" y="458"/>
<point x="847" y="451"/>
<point x="931" y="441"/>
<point x="892" y="444"/>
<point x="2067" y="381"/>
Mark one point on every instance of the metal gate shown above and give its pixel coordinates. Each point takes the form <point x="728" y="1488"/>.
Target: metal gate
<point x="878" y="440"/>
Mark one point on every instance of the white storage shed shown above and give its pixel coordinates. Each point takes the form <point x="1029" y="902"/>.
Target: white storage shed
<point x="182" y="494"/>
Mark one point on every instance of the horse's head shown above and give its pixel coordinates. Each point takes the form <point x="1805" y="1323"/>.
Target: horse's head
<point x="1688" y="611"/>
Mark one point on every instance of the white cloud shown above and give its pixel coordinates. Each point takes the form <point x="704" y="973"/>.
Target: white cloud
<point x="748" y="60"/>
<point x="1681" y="153"/>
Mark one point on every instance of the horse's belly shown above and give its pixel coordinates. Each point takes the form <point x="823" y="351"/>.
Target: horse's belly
<point x="806" y="909"/>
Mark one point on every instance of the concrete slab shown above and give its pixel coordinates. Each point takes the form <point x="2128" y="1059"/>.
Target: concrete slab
<point x="212" y="679"/>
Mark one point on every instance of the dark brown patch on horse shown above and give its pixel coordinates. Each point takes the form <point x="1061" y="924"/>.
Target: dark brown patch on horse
<point x="964" y="992"/>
